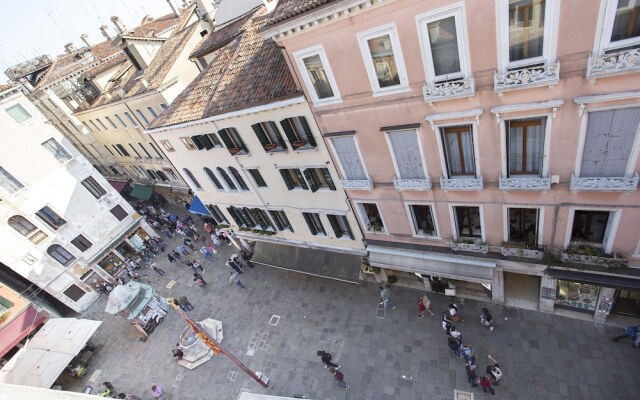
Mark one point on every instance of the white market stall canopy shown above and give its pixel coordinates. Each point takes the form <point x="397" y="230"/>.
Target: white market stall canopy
<point x="64" y="335"/>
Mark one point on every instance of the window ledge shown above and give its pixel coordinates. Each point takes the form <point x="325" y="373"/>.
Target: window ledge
<point x="528" y="77"/>
<point x="357" y="184"/>
<point x="448" y="90"/>
<point x="412" y="184"/>
<point x="461" y="183"/>
<point x="618" y="63"/>
<point x="526" y="184"/>
<point x="471" y="247"/>
<point x="387" y="92"/>
<point x="604" y="184"/>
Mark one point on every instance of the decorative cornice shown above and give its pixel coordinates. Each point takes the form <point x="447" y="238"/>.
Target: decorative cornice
<point x="599" y="98"/>
<point x="474" y="113"/>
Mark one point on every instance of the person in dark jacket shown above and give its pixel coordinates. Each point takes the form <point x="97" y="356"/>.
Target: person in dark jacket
<point x="471" y="375"/>
<point x="454" y="346"/>
<point x="326" y="359"/>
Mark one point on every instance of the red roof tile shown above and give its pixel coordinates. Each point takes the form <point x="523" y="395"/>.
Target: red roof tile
<point x="221" y="36"/>
<point x="287" y="9"/>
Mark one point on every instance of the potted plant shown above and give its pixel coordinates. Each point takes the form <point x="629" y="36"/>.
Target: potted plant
<point x="298" y="143"/>
<point x="270" y="146"/>
<point x="234" y="150"/>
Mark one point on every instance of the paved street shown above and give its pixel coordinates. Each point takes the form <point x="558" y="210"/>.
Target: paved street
<point x="398" y="357"/>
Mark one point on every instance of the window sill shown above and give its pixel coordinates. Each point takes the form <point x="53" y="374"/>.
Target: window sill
<point x="322" y="103"/>
<point x="428" y="237"/>
<point x="391" y="91"/>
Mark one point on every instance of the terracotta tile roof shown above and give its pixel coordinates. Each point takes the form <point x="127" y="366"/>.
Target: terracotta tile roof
<point x="6" y="86"/>
<point x="287" y="9"/>
<point x="221" y="36"/>
<point x="153" y="27"/>
<point x="104" y="66"/>
<point x="248" y="71"/>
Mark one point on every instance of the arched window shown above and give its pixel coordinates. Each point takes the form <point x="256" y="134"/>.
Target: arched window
<point x="238" y="178"/>
<point x="226" y="178"/>
<point x="162" y="176"/>
<point x="152" y="174"/>
<point x="60" y="254"/>
<point x="22" y="225"/>
<point x="193" y="178"/>
<point x="214" y="179"/>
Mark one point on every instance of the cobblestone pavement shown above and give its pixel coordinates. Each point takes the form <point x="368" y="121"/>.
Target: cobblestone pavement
<point x="398" y="357"/>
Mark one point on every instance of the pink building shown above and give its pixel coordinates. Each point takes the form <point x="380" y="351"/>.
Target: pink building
<point x="493" y="144"/>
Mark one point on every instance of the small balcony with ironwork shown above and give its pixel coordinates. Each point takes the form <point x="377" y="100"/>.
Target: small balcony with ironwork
<point x="604" y="184"/>
<point x="461" y="183"/>
<point x="412" y="184"/>
<point x="357" y="184"/>
<point x="447" y="90"/>
<point x="524" y="183"/>
<point x="614" y="63"/>
<point x="527" y="77"/>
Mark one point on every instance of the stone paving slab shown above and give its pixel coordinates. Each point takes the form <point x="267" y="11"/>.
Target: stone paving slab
<point x="398" y="357"/>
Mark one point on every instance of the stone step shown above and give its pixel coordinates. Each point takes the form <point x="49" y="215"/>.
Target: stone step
<point x="196" y="363"/>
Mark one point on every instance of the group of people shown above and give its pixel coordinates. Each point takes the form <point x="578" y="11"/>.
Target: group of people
<point x="333" y="368"/>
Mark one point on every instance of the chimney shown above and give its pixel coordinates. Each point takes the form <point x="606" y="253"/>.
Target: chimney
<point x="69" y="48"/>
<point x="85" y="38"/>
<point x="120" y="28"/>
<point x="105" y="33"/>
<point x="173" y="8"/>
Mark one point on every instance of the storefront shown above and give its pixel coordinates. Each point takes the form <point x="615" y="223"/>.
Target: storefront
<point x="577" y="296"/>
<point x="137" y="238"/>
<point x="627" y="302"/>
<point x="112" y="264"/>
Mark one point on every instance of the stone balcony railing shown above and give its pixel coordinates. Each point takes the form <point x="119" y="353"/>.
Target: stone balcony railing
<point x="521" y="252"/>
<point x="608" y="262"/>
<point x="356" y="184"/>
<point x="542" y="75"/>
<point x="470" y="247"/>
<point x="620" y="62"/>
<point x="412" y="184"/>
<point x="461" y="183"/>
<point x="525" y="183"/>
<point x="448" y="90"/>
<point x="604" y="184"/>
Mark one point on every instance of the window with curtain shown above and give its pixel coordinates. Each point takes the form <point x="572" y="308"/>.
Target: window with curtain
<point x="523" y="225"/>
<point x="443" y="39"/>
<point x="214" y="179"/>
<point x="18" y="113"/>
<point x="227" y="179"/>
<point x="8" y="182"/>
<point x="423" y="222"/>
<point x="526" y="29"/>
<point x="318" y="76"/>
<point x="60" y="254"/>
<point x="525" y="143"/>
<point x="384" y="62"/>
<point x="347" y="153"/>
<point x="589" y="226"/>
<point x="468" y="222"/>
<point x="192" y="178"/>
<point x="371" y="217"/>
<point x="458" y="148"/>
<point x="407" y="154"/>
<point x="626" y="24"/>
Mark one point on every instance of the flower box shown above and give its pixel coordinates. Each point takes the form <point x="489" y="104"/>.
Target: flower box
<point x="471" y="247"/>
<point x="270" y="146"/>
<point x="298" y="144"/>
<point x="608" y="262"/>
<point x="522" y="252"/>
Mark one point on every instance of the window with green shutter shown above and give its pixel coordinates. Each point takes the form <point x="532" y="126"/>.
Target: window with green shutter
<point x="269" y="136"/>
<point x="257" y="177"/>
<point x="319" y="178"/>
<point x="293" y="178"/>
<point x="233" y="141"/>
<point x="281" y="220"/>
<point x="299" y="133"/>
<point x="236" y="216"/>
<point x="314" y="223"/>
<point x="340" y="225"/>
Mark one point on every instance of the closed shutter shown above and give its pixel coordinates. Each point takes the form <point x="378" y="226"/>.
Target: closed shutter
<point x="226" y="139"/>
<point x="258" y="217"/>
<point x="206" y="142"/>
<point x="274" y="215"/>
<point x="349" y="157"/>
<point x="288" y="130"/>
<point x="236" y="217"/>
<point x="608" y="142"/>
<point x="312" y="228"/>
<point x="279" y="137"/>
<point x="286" y="179"/>
<point x="239" y="139"/>
<point x="196" y="141"/>
<point x="307" y="132"/>
<point x="301" y="179"/>
<point x="364" y="216"/>
<point x="346" y="225"/>
<point x="262" y="136"/>
<point x="327" y="176"/>
<point x="407" y="154"/>
<point x="309" y="176"/>
<point x="333" y="220"/>
<point x="286" y="220"/>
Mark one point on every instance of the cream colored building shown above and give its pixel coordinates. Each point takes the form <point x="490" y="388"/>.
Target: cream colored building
<point x="253" y="154"/>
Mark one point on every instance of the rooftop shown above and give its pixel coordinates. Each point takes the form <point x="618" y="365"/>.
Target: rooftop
<point x="287" y="9"/>
<point x="222" y="35"/>
<point x="247" y="71"/>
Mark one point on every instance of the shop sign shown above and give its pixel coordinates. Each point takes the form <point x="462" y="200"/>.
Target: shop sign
<point x="605" y="305"/>
<point x="548" y="293"/>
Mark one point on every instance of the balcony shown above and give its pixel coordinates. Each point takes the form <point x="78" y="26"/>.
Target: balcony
<point x="604" y="184"/>
<point x="448" y="90"/>
<point x="585" y="254"/>
<point x="357" y="184"/>
<point x="461" y="183"/>
<point x="525" y="183"/>
<point x="412" y="184"/>
<point x="541" y="75"/>
<point x="617" y="63"/>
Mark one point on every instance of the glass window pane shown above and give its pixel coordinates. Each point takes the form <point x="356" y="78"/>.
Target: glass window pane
<point x="56" y="150"/>
<point x="589" y="226"/>
<point x="627" y="22"/>
<point x="526" y="29"/>
<point x="523" y="225"/>
<point x="458" y="143"/>
<point x="444" y="46"/>
<point x="423" y="220"/>
<point x="384" y="61"/>
<point x="318" y="76"/>
<point x="525" y="146"/>
<point x="18" y="113"/>
<point x="8" y="182"/>
<point x="468" y="220"/>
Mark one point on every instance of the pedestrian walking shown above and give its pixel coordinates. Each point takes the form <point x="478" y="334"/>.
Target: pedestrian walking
<point x="466" y="351"/>
<point x="189" y="243"/>
<point x="157" y="392"/>
<point x="493" y="370"/>
<point x="339" y="377"/>
<point x="207" y="254"/>
<point x="456" y="334"/>
<point x="426" y="303"/>
<point x="177" y="353"/>
<point x="127" y="396"/>
<point x="632" y="332"/>
<point x="446" y="322"/>
<point x="454" y="346"/>
<point x="215" y="240"/>
<point x="384" y="297"/>
<point x="159" y="270"/>
<point x="486" y="319"/>
<point x="109" y="389"/>
<point x="234" y="278"/>
<point x="326" y="359"/>
<point x="185" y="304"/>
<point x="200" y="282"/>
<point x="182" y="249"/>
<point x="233" y="265"/>
<point x="167" y="233"/>
<point x="485" y="384"/>
<point x="471" y="375"/>
<point x="453" y="312"/>
<point x="197" y="266"/>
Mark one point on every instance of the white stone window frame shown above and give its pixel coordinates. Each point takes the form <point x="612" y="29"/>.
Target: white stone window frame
<point x="285" y="229"/>
<point x="438" y="129"/>
<point x="167" y="145"/>
<point x="393" y="155"/>
<point x="364" y="219"/>
<point x="550" y="42"/>
<point x="506" y="224"/>
<point x="606" y="19"/>
<point x="391" y="30"/>
<point x="584" y="122"/>
<point x="346" y="217"/>
<point x="324" y="222"/>
<point x="454" y="224"/>
<point x="318" y="50"/>
<point x="214" y="171"/>
<point x="457" y="11"/>
<point x="609" y="235"/>
<point x="414" y="230"/>
<point x="339" y="161"/>
<point x="18" y="105"/>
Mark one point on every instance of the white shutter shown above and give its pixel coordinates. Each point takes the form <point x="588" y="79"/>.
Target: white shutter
<point x="349" y="157"/>
<point x="407" y="154"/>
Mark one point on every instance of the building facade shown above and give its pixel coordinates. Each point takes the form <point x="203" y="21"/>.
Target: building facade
<point x="493" y="144"/>
<point x="63" y="225"/>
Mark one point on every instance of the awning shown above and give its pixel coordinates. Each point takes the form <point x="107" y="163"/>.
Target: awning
<point x="142" y="192"/>
<point x="117" y="185"/>
<point x="19" y="328"/>
<point x="37" y="367"/>
<point x="615" y="282"/>
<point x="422" y="262"/>
<point x="327" y="264"/>
<point x="64" y="335"/>
<point x="198" y="208"/>
<point x="162" y="189"/>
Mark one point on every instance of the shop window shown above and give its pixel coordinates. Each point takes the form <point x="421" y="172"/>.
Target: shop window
<point x="119" y="212"/>
<point x="627" y="303"/>
<point x="523" y="226"/>
<point x="74" y="292"/>
<point x="468" y="222"/>
<point x="590" y="226"/>
<point x="51" y="217"/>
<point x="60" y="254"/>
<point x="371" y="218"/>
<point x="577" y="296"/>
<point x="81" y="243"/>
<point x="93" y="187"/>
